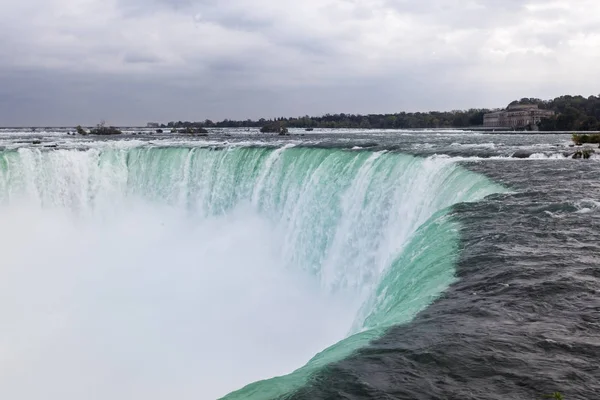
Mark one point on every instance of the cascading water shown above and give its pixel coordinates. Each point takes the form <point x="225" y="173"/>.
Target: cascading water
<point x="188" y="272"/>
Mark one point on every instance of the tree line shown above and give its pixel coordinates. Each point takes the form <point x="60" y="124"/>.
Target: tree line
<point x="403" y="120"/>
<point x="572" y="113"/>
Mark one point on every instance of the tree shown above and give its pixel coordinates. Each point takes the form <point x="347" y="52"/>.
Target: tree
<point x="80" y="130"/>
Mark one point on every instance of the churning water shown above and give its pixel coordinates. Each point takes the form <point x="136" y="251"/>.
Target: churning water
<point x="136" y="269"/>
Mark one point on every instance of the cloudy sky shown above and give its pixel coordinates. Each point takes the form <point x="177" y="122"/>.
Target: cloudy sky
<point x="133" y="61"/>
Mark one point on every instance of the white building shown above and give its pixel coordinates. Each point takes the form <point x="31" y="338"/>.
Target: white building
<point x="516" y="116"/>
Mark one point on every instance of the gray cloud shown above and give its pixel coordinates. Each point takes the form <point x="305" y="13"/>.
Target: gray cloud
<point x="137" y="58"/>
<point x="134" y="8"/>
<point x="132" y="61"/>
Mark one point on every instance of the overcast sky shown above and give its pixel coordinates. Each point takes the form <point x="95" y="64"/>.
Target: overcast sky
<point x="133" y="61"/>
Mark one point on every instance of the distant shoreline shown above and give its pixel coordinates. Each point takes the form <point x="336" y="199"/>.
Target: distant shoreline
<point x="316" y="130"/>
<point x="562" y="114"/>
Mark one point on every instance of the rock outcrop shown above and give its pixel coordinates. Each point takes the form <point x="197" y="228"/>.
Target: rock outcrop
<point x="193" y="131"/>
<point x="522" y="154"/>
<point x="584" y="153"/>
<point x="275" y="127"/>
<point x="100" y="129"/>
<point x="105" y="130"/>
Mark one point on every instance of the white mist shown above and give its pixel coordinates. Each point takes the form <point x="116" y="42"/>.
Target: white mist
<point x="152" y="304"/>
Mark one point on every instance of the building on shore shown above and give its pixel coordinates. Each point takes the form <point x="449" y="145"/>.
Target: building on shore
<point x="152" y="125"/>
<point x="517" y="116"/>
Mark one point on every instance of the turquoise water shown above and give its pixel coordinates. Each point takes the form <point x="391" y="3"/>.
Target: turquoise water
<point x="369" y="231"/>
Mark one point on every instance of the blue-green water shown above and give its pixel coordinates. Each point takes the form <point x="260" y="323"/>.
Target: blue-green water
<point x="363" y="239"/>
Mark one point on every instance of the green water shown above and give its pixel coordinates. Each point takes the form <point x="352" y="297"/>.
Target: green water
<point x="375" y="225"/>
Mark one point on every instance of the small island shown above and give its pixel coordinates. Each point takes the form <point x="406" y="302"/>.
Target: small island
<point x="580" y="139"/>
<point x="275" y="127"/>
<point x="100" y="129"/>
